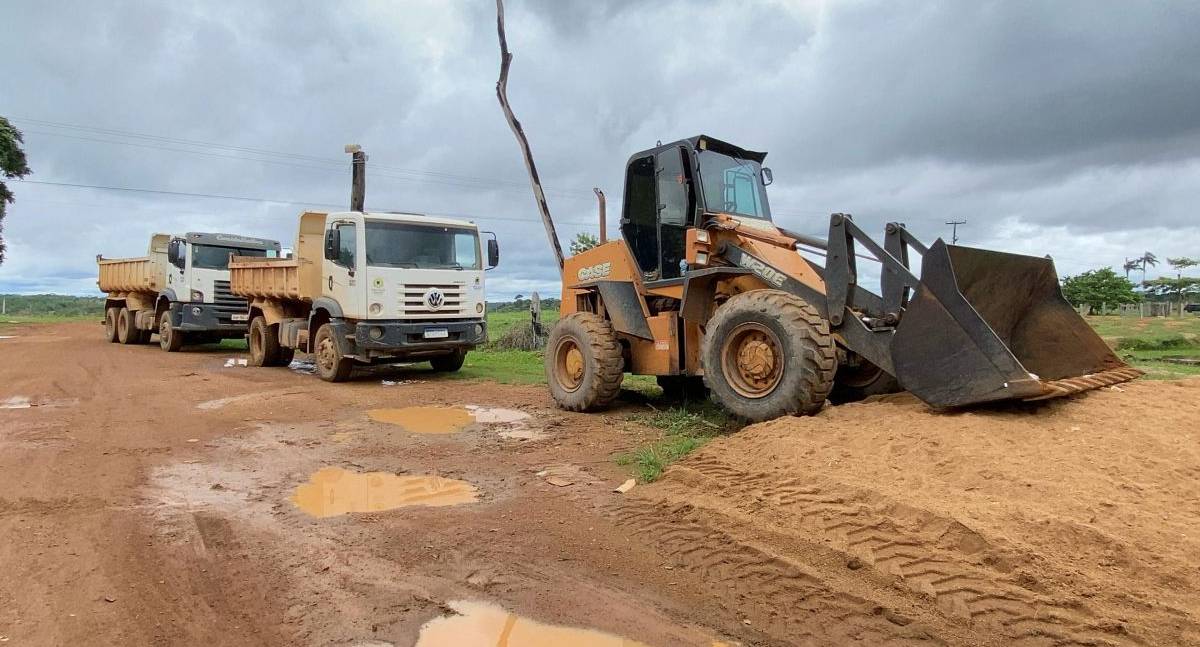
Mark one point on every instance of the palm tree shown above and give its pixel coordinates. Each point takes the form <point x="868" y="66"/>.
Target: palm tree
<point x="1147" y="259"/>
<point x="1130" y="265"/>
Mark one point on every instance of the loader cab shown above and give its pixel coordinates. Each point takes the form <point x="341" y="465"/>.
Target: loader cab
<point x="677" y="186"/>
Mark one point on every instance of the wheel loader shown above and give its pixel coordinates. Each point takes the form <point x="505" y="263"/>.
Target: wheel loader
<point x="704" y="290"/>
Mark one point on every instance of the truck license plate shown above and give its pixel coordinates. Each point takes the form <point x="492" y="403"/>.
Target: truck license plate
<point x="241" y="316"/>
<point x="436" y="333"/>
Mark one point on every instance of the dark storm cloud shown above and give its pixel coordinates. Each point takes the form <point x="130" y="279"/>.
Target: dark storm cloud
<point x="1063" y="128"/>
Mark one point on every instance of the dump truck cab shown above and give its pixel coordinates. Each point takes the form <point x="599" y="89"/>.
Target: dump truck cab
<point x="370" y="288"/>
<point x="197" y="293"/>
<point x="703" y="285"/>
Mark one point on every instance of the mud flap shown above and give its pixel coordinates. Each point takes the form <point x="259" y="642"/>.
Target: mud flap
<point x="986" y="325"/>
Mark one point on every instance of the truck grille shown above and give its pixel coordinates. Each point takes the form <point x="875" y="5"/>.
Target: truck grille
<point x="224" y="299"/>
<point x="413" y="304"/>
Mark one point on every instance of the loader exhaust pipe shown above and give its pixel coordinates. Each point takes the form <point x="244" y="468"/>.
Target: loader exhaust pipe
<point x="603" y="214"/>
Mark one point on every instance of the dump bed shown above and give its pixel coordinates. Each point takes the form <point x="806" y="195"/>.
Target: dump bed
<point x="291" y="279"/>
<point x="267" y="278"/>
<point x="129" y="275"/>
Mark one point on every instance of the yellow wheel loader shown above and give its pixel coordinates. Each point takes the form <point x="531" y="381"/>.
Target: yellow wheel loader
<point x="703" y="285"/>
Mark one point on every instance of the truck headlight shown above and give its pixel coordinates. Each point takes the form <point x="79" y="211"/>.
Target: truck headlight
<point x="196" y="311"/>
<point x="375" y="333"/>
<point x="479" y="308"/>
<point x="478" y="330"/>
<point x="197" y="295"/>
<point x="375" y="308"/>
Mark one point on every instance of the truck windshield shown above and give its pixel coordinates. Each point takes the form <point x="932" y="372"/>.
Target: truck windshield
<point x="216" y="257"/>
<point x="397" y="244"/>
<point x="733" y="185"/>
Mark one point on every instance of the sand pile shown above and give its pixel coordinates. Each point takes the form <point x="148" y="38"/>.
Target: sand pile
<point x="1065" y="522"/>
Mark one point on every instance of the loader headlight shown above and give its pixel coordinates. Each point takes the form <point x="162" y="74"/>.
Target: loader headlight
<point x="375" y="308"/>
<point x="479" y="308"/>
<point x="197" y="295"/>
<point x="702" y="235"/>
<point x="701" y="258"/>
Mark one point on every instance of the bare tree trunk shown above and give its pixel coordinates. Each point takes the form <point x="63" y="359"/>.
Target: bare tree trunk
<point x="502" y="95"/>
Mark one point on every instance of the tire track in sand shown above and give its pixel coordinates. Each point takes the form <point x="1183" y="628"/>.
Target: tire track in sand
<point x="941" y="561"/>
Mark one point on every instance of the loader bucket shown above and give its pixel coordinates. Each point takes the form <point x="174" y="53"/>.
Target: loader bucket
<point x="987" y="326"/>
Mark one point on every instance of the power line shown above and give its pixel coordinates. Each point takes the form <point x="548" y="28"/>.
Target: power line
<point x="267" y="200"/>
<point x="430" y="176"/>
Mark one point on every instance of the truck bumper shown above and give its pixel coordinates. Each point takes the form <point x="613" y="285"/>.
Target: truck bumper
<point x="206" y="317"/>
<point x="403" y="337"/>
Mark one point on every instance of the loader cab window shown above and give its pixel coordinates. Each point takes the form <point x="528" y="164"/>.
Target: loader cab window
<point x="639" y="222"/>
<point x="673" y="211"/>
<point x="733" y="185"/>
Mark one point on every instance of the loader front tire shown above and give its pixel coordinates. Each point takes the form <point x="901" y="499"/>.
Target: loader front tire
<point x="584" y="363"/>
<point x="862" y="381"/>
<point x="768" y="353"/>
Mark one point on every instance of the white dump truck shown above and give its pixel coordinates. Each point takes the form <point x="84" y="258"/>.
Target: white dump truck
<point x="369" y="288"/>
<point x="179" y="290"/>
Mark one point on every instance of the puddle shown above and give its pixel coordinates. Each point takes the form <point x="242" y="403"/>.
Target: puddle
<point x="233" y="361"/>
<point x="486" y="625"/>
<point x="426" y="420"/>
<point x="16" y="402"/>
<point x="334" y="491"/>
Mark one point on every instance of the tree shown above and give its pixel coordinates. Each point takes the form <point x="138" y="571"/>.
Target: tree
<point x="1147" y="259"/>
<point x="1182" y="263"/>
<point x="1098" y="287"/>
<point x="1174" y="289"/>
<point x="12" y="165"/>
<point x="582" y="242"/>
<point x="1130" y="265"/>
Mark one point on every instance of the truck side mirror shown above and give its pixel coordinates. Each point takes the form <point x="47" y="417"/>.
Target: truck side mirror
<point x="493" y="253"/>
<point x="175" y="254"/>
<point x="333" y="241"/>
<point x="767" y="177"/>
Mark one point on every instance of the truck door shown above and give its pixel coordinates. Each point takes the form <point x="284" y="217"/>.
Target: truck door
<point x="343" y="271"/>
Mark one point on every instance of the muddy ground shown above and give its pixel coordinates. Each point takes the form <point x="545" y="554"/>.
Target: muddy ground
<point x="147" y="498"/>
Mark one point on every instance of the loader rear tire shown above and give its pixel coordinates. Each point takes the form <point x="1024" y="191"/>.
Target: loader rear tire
<point x="584" y="363"/>
<point x="264" y="343"/>
<point x="331" y="366"/>
<point x="768" y="353"/>
<point x="127" y="332"/>
<point x="110" y="324"/>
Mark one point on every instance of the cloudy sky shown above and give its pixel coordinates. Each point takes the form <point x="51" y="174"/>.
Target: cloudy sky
<point x="1062" y="128"/>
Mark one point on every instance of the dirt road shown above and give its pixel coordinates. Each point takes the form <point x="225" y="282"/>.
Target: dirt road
<point x="152" y="498"/>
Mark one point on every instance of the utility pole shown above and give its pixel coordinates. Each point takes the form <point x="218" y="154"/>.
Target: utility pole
<point x="954" y="231"/>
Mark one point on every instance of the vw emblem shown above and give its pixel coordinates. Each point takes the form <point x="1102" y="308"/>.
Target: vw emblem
<point x="434" y="298"/>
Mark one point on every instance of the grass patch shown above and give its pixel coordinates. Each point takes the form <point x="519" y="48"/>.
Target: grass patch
<point x="503" y="366"/>
<point x="685" y="428"/>
<point x="1156" y="369"/>
<point x="500" y="322"/>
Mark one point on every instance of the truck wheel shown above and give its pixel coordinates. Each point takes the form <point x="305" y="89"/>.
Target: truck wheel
<point x="126" y="332"/>
<point x="682" y="387"/>
<point x="855" y="383"/>
<point x="584" y="366"/>
<point x="449" y="363"/>
<point x="169" y="339"/>
<point x="767" y="354"/>
<point x="331" y="366"/>
<point x="110" y="324"/>
<point x="286" y="355"/>
<point x="264" y="345"/>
